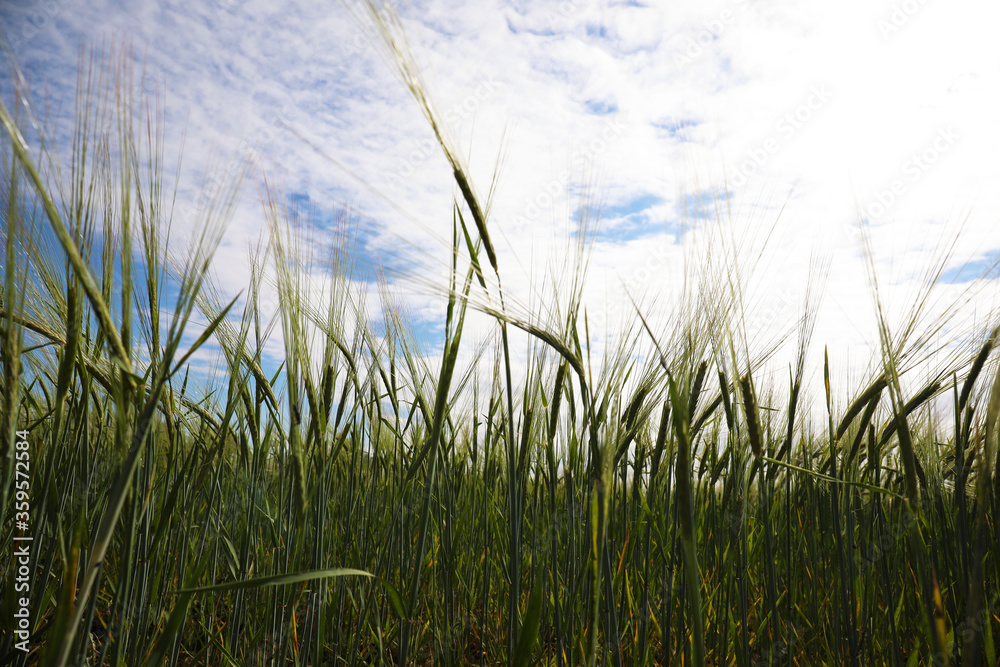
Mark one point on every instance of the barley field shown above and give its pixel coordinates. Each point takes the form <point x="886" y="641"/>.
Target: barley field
<point x="365" y="503"/>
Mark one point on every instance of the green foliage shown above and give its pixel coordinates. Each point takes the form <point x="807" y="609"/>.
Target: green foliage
<point x="596" y="514"/>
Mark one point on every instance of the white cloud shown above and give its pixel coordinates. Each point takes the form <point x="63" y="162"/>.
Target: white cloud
<point x="825" y="97"/>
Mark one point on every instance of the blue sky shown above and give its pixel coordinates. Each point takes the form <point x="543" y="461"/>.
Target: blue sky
<point x="822" y="112"/>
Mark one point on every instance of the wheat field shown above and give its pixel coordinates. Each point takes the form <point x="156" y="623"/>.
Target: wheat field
<point x="359" y="505"/>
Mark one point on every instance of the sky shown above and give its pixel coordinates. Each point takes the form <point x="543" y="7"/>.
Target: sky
<point x="780" y="121"/>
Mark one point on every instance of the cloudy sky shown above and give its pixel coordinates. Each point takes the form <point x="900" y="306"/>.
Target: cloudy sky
<point x="788" y="121"/>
